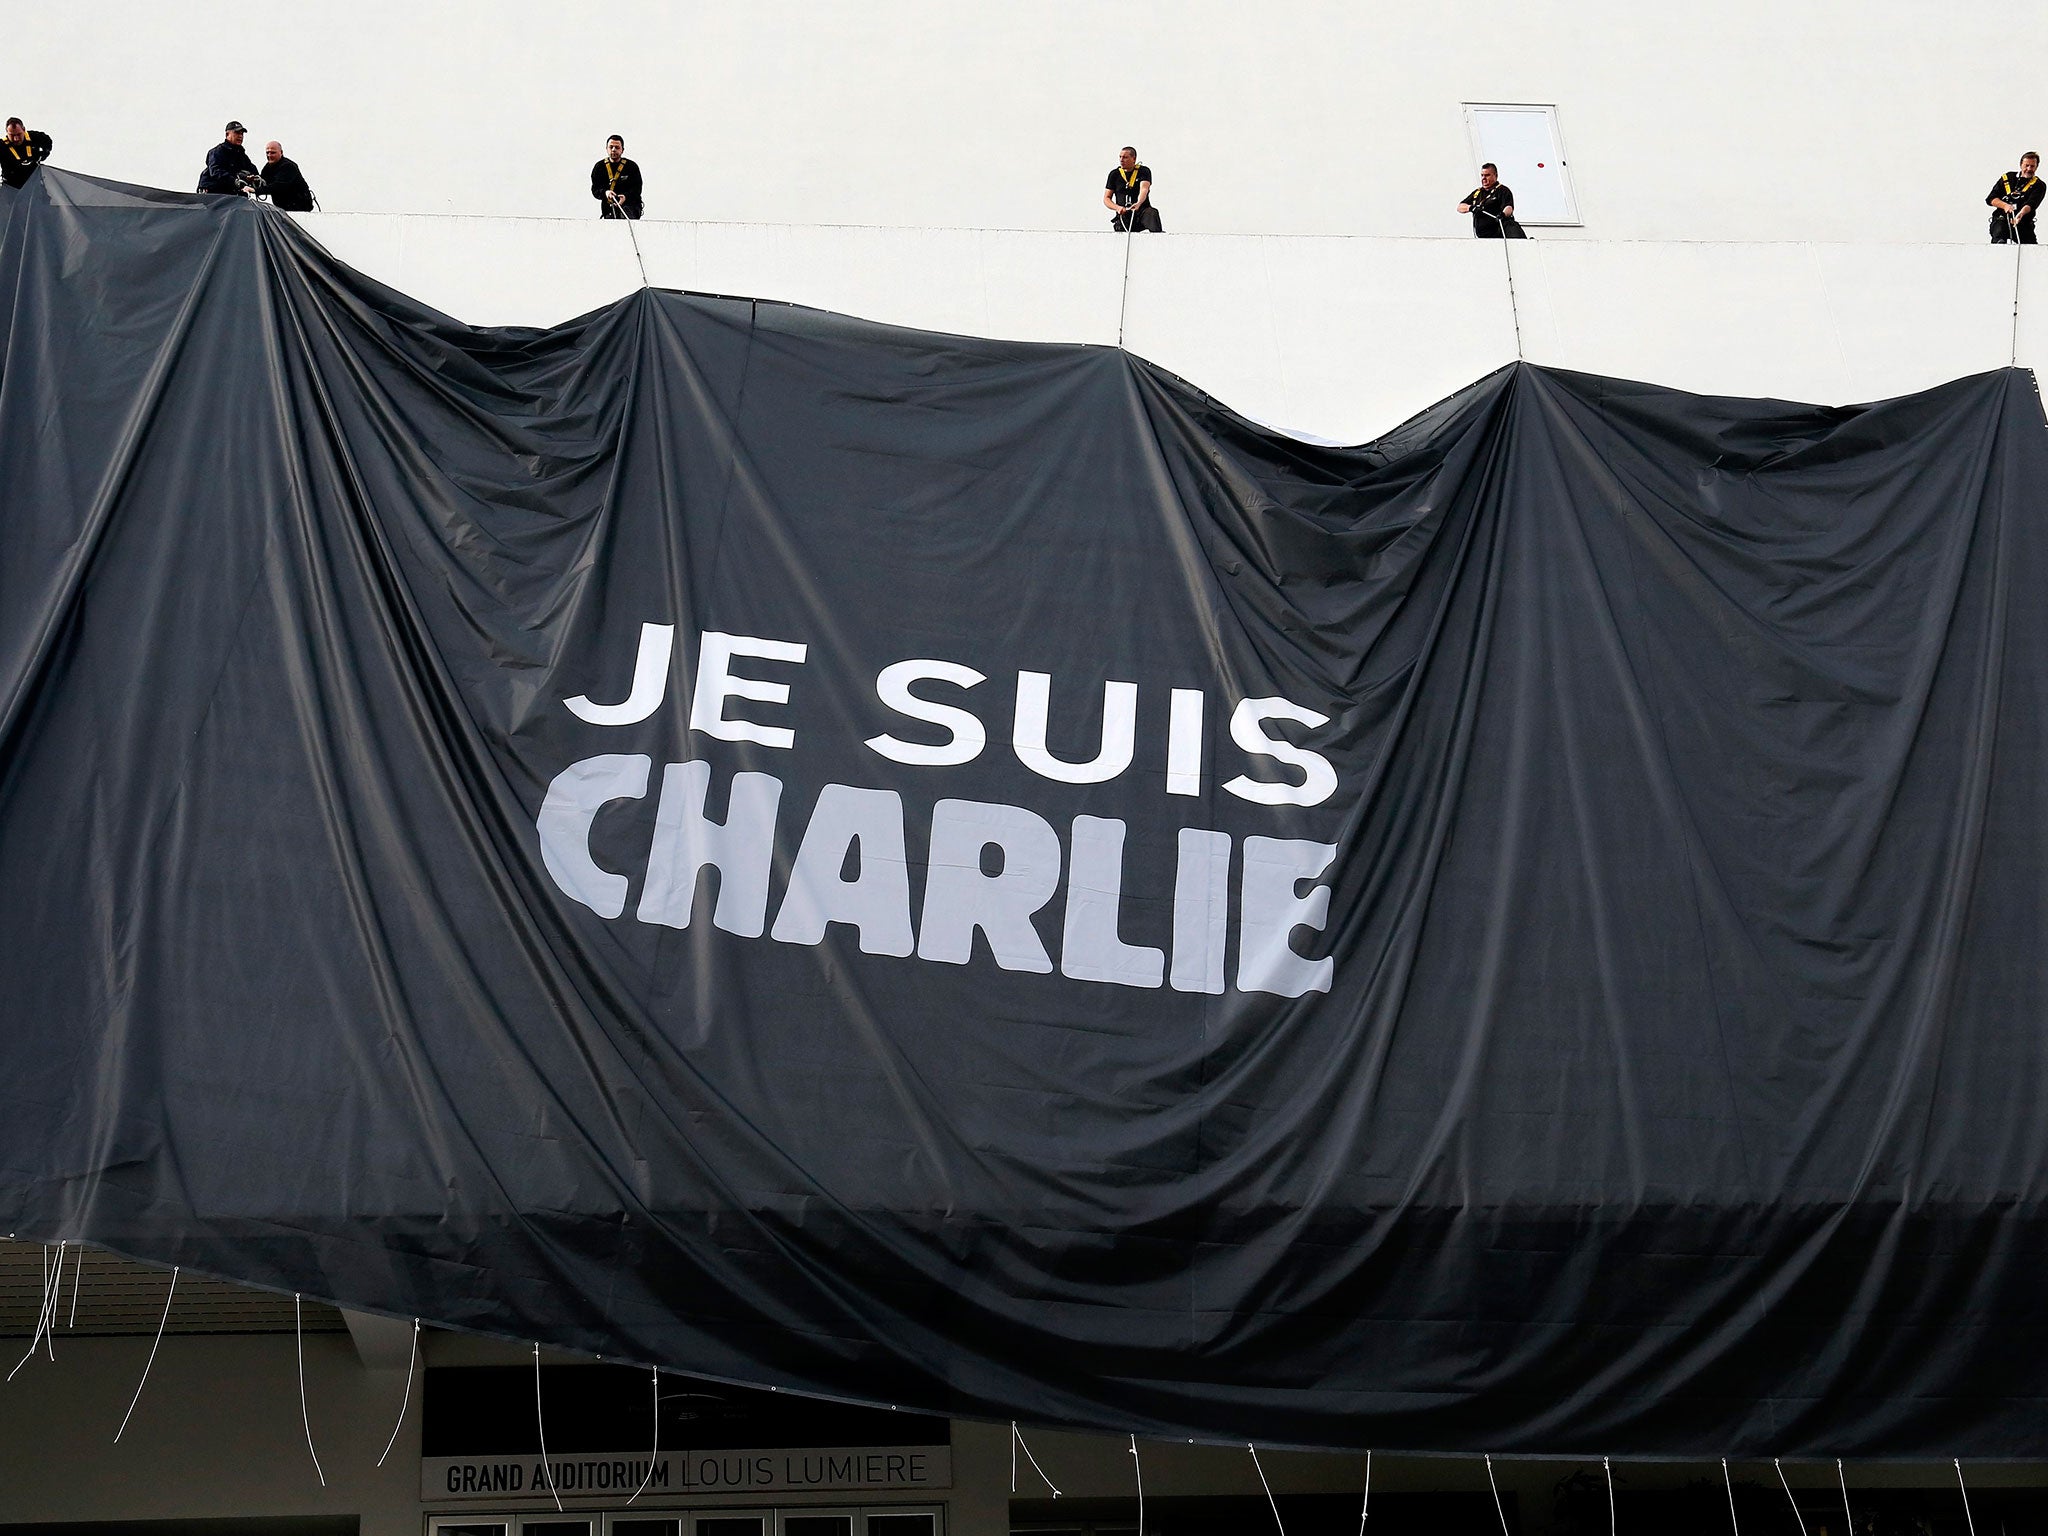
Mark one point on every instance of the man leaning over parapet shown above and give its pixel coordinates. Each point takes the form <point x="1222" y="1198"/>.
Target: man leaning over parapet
<point x="228" y="166"/>
<point x="287" y="183"/>
<point x="1128" y="196"/>
<point x="21" y="151"/>
<point x="2015" y="198"/>
<point x="1492" y="207"/>
<point x="615" y="182"/>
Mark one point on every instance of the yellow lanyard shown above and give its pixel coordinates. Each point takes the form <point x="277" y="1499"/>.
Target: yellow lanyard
<point x="1130" y="177"/>
<point x="614" y="175"/>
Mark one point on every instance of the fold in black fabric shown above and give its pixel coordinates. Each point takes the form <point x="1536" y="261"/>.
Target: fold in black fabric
<point x="1524" y="936"/>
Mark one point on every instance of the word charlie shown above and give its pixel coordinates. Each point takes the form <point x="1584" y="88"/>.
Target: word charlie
<point x="864" y="829"/>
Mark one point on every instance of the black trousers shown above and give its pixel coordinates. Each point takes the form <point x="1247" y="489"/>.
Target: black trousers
<point x="1142" y="221"/>
<point x="2001" y="231"/>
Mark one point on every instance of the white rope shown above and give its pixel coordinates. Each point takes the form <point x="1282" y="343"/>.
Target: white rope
<point x="540" y="1423"/>
<point x="1365" y="1503"/>
<point x="305" y="1418"/>
<point x="1013" y="1457"/>
<point x="406" y="1401"/>
<point x="1138" y="1470"/>
<point x="1514" y="308"/>
<point x="1123" y="301"/>
<point x="1017" y="1438"/>
<point x="42" y="1315"/>
<point x="2015" y="289"/>
<point x="1272" y="1502"/>
<point x="52" y="1294"/>
<point x="33" y="1340"/>
<point x="655" y="1454"/>
<point x="1788" y="1495"/>
<point x="1847" y="1514"/>
<point x="1613" y="1519"/>
<point x="152" y="1357"/>
<point x="1498" y="1507"/>
<point x="613" y="199"/>
<point x="1968" y="1518"/>
<point x="1733" y="1524"/>
<point x="77" y="1270"/>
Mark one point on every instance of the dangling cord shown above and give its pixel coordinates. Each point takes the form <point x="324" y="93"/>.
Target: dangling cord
<point x="152" y="1357"/>
<point x="1365" y="1503"/>
<point x="2015" y="291"/>
<point x="540" y="1423"/>
<point x="42" y="1314"/>
<point x="1613" y="1518"/>
<point x="1498" y="1507"/>
<point x="406" y="1401"/>
<point x="1514" y="310"/>
<point x="305" y="1418"/>
<point x="1847" y="1514"/>
<point x="77" y="1270"/>
<point x="634" y="235"/>
<point x="1733" y="1524"/>
<point x="1788" y="1495"/>
<point x="612" y="198"/>
<point x="1124" y="295"/>
<point x="1017" y="1439"/>
<point x="50" y="1298"/>
<point x="1272" y="1502"/>
<point x="1138" y="1469"/>
<point x="655" y="1454"/>
<point x="1968" y="1518"/>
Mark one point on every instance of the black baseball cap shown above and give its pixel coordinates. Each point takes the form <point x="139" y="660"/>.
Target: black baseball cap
<point x="234" y="127"/>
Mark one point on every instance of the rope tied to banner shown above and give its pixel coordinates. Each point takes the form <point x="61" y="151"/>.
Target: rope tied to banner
<point x="406" y="1401"/>
<point x="305" y="1414"/>
<point x="1271" y="1502"/>
<point x="1780" y="1465"/>
<point x="653" y="1455"/>
<point x="152" y="1357"/>
<point x="1017" y="1439"/>
<point x="540" y="1423"/>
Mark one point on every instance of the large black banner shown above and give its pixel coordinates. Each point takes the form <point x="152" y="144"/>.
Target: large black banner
<point x="962" y="874"/>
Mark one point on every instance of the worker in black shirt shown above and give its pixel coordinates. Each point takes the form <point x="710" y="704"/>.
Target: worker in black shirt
<point x="1128" y="196"/>
<point x="615" y="182"/>
<point x="1491" y="205"/>
<point x="21" y="152"/>
<point x="287" y="183"/>
<point x="2015" y="198"/>
<point x="228" y="167"/>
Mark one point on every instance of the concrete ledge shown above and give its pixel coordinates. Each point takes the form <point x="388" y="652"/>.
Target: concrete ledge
<point x="1335" y="337"/>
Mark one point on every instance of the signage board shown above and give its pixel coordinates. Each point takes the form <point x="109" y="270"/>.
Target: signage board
<point x="879" y="1468"/>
